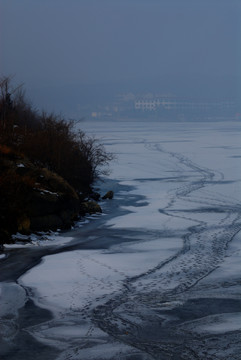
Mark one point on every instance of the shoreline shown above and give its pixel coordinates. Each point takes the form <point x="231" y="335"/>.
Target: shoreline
<point x="18" y="261"/>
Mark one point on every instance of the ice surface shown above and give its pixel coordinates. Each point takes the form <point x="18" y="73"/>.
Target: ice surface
<point x="174" y="238"/>
<point x="12" y="298"/>
<point x="220" y="323"/>
<point x="80" y="277"/>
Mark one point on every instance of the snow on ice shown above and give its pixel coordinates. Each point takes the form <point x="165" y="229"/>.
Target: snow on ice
<point x="172" y="263"/>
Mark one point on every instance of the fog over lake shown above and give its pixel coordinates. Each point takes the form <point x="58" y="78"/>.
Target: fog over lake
<point x="75" y="55"/>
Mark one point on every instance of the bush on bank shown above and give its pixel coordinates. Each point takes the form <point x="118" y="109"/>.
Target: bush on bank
<point x="49" y="140"/>
<point x="34" y="147"/>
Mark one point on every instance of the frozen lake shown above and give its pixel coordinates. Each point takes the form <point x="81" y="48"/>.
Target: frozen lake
<point x="158" y="275"/>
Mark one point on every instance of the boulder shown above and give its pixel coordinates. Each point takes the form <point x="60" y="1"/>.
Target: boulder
<point x="95" y="196"/>
<point x="46" y="222"/>
<point x="89" y="207"/>
<point x="108" y="195"/>
<point x="49" y="211"/>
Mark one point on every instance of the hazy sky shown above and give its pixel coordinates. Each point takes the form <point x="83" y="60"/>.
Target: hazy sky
<point x="189" y="47"/>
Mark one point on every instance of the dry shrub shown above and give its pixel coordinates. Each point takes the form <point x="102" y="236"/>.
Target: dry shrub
<point x="12" y="184"/>
<point x="57" y="183"/>
<point x="49" y="140"/>
<point x="5" y="150"/>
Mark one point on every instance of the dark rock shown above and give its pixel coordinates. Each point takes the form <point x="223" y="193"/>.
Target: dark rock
<point x="108" y="195"/>
<point x="95" y="196"/>
<point x="53" y="210"/>
<point x="89" y="207"/>
<point x="46" y="222"/>
<point x="33" y="199"/>
<point x="5" y="238"/>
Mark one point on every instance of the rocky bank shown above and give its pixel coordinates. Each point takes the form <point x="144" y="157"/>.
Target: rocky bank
<point x="33" y="198"/>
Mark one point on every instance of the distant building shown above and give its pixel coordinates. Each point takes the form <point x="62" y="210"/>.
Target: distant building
<point x="185" y="106"/>
<point x="166" y="107"/>
<point x="175" y="103"/>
